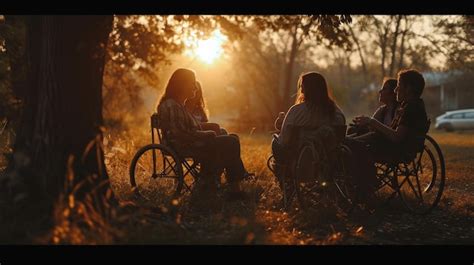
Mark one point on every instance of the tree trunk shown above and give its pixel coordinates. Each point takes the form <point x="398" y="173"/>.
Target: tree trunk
<point x="394" y="45"/>
<point x="21" y="51"/>
<point x="361" y="56"/>
<point x="15" y="39"/>
<point x="383" y="33"/>
<point x="62" y="114"/>
<point x="286" y="100"/>
<point x="384" y="50"/>
<point x="402" y="45"/>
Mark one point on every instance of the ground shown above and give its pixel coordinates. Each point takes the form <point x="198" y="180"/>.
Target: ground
<point x="258" y="219"/>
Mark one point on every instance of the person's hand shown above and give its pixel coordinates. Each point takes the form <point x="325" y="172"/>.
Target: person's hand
<point x="210" y="126"/>
<point x="362" y="120"/>
<point x="354" y="123"/>
<point x="211" y="134"/>
<point x="208" y="134"/>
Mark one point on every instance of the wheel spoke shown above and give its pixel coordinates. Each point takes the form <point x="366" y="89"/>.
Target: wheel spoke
<point x="419" y="187"/>
<point x="161" y="179"/>
<point x="428" y="168"/>
<point x="412" y="187"/>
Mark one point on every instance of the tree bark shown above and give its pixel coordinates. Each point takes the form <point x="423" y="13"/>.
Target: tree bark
<point x="22" y="51"/>
<point x="15" y="39"/>
<point x="62" y="116"/>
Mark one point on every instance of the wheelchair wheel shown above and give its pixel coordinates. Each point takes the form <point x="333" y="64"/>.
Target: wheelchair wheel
<point x="344" y="186"/>
<point x="156" y="173"/>
<point x="309" y="182"/>
<point x="421" y="182"/>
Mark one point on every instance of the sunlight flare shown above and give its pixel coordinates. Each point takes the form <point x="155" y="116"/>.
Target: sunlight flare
<point x="207" y="50"/>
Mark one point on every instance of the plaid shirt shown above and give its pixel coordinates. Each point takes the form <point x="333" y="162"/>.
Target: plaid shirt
<point x="412" y="115"/>
<point x="178" y="125"/>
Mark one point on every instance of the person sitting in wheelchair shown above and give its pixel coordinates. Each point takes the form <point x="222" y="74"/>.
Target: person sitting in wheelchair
<point x="385" y="113"/>
<point x="197" y="107"/>
<point x="313" y="109"/>
<point x="409" y="125"/>
<point x="185" y="134"/>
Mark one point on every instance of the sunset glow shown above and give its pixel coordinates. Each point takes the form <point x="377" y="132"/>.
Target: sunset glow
<point x="207" y="50"/>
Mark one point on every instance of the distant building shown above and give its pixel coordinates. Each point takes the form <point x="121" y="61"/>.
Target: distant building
<point x="448" y="91"/>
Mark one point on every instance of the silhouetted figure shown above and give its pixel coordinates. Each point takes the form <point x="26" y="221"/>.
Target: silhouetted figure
<point x="385" y="112"/>
<point x="401" y="137"/>
<point x="313" y="108"/>
<point x="185" y="133"/>
<point x="197" y="107"/>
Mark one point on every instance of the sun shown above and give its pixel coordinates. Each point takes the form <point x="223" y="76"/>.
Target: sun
<point x="208" y="50"/>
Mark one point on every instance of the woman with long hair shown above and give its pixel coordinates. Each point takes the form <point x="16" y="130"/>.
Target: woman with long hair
<point x="313" y="108"/>
<point x="197" y="107"/>
<point x="184" y="132"/>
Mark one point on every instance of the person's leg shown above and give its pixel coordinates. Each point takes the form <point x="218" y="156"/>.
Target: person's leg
<point x="228" y="156"/>
<point x="368" y="137"/>
<point x="382" y="150"/>
<point x="208" y="159"/>
<point x="362" y="166"/>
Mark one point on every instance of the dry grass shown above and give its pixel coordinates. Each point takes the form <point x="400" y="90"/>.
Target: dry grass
<point x="261" y="221"/>
<point x="258" y="220"/>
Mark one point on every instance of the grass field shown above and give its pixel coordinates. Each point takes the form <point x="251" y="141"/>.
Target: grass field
<point x="258" y="219"/>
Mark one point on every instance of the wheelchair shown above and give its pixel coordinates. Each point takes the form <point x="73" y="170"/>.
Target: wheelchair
<point x="159" y="171"/>
<point x="418" y="178"/>
<point x="417" y="175"/>
<point x="316" y="171"/>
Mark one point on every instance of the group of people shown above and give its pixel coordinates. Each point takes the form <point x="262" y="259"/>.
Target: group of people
<point x="390" y="133"/>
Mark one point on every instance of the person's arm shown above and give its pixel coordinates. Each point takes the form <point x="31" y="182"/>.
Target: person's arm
<point x="206" y="126"/>
<point x="177" y="128"/>
<point x="205" y="134"/>
<point x="396" y="135"/>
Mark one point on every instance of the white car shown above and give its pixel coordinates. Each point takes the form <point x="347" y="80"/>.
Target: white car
<point x="456" y="120"/>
